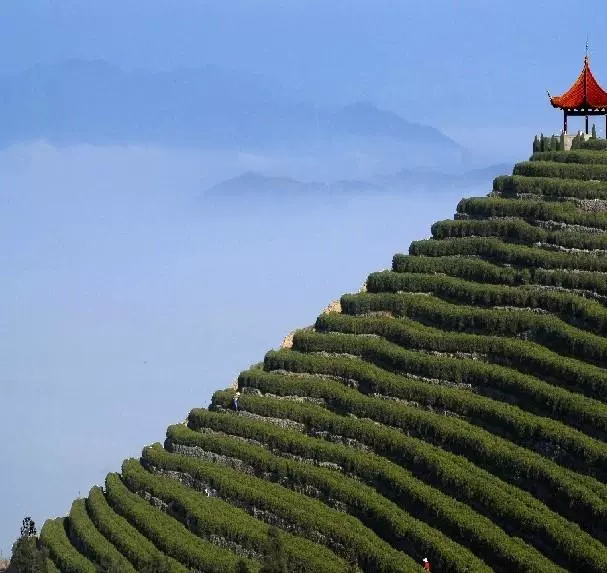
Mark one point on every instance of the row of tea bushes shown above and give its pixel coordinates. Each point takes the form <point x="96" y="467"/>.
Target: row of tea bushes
<point x="571" y="495"/>
<point x="208" y="516"/>
<point x="549" y="187"/>
<point x="481" y="271"/>
<point x="518" y="255"/>
<point x="524" y="356"/>
<point x="547" y="330"/>
<point x="455" y="519"/>
<point x="577" y="311"/>
<point x="562" y="212"/>
<point x="308" y="515"/>
<point x="518" y="231"/>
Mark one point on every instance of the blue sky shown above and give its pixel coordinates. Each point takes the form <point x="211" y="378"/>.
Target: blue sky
<point x="122" y="306"/>
<point x="463" y="65"/>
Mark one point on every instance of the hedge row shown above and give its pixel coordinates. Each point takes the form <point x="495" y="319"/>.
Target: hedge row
<point x="519" y="231"/>
<point x="478" y="270"/>
<point x="309" y="515"/>
<point x="524" y="356"/>
<point x="598" y="144"/>
<point x="137" y="548"/>
<point x="54" y="537"/>
<point x="562" y="170"/>
<point x="85" y="536"/>
<point x="570" y="495"/>
<point x="513" y="254"/>
<point x="550" y="187"/>
<point x="547" y="330"/>
<point x="453" y="518"/>
<point x="167" y="533"/>
<point x="562" y="212"/>
<point x="480" y="446"/>
<point x="582" y="156"/>
<point x="498" y="504"/>
<point x="382" y="516"/>
<point x="578" y="311"/>
<point x="579" y="452"/>
<point x="207" y="516"/>
<point x="50" y="566"/>
<point x="514" y="424"/>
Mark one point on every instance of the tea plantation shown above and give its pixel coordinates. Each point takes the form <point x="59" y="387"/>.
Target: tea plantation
<point x="455" y="408"/>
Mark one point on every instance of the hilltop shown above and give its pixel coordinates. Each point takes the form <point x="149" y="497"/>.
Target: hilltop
<point x="454" y="407"/>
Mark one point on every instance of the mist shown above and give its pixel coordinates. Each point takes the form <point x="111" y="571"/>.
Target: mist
<point x="126" y="298"/>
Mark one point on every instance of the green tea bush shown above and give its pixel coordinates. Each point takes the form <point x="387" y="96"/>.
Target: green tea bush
<point x="547" y="330"/>
<point x="583" y="172"/>
<point x="54" y="537"/>
<point x="133" y="545"/>
<point x="207" y="516"/>
<point x="90" y="542"/>
<point x="507" y="253"/>
<point x="550" y="187"/>
<point x="166" y="533"/>
<point x="454" y="518"/>
<point x="522" y="355"/>
<point x="577" y="497"/>
<point x="310" y="515"/>
<point x="518" y="231"/>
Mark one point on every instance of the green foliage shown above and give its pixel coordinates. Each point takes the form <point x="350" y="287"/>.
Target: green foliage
<point x="132" y="544"/>
<point x="242" y="567"/>
<point x="210" y="516"/>
<point x="555" y="485"/>
<point x="276" y="557"/>
<point x="481" y="271"/>
<point x="493" y="249"/>
<point x="595" y="144"/>
<point x="310" y="515"/>
<point x="502" y="419"/>
<point x="532" y="210"/>
<point x="569" y="170"/>
<point x="593" y="133"/>
<point x="521" y="355"/>
<point x="166" y="533"/>
<point x="582" y="157"/>
<point x="547" y="330"/>
<point x="54" y="537"/>
<point x="551" y="188"/>
<point x="450" y="516"/>
<point x="518" y="231"/>
<point x="574" y="309"/>
<point x="90" y="542"/>
<point x="28" y="557"/>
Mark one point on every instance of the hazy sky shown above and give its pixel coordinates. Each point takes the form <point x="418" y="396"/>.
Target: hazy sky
<point x="464" y="65"/>
<point x="124" y="303"/>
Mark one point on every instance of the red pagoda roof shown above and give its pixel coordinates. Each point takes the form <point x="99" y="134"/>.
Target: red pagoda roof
<point x="585" y="93"/>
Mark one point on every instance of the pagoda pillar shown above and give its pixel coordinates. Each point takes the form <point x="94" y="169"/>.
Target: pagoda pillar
<point x="586" y="125"/>
<point x="565" y="121"/>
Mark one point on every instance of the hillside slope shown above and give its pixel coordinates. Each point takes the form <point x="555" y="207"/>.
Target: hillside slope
<point x="455" y="408"/>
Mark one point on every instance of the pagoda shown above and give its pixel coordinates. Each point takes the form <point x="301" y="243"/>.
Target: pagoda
<point x="585" y="97"/>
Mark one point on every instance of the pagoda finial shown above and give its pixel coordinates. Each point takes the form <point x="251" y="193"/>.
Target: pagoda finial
<point x="586" y="56"/>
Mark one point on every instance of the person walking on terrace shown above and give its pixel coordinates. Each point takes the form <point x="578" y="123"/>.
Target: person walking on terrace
<point x="235" y="401"/>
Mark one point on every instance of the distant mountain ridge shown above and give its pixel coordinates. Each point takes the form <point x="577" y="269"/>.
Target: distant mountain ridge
<point x="256" y="184"/>
<point x="78" y="101"/>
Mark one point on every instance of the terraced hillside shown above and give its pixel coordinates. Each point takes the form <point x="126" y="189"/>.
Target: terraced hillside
<point x="454" y="408"/>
